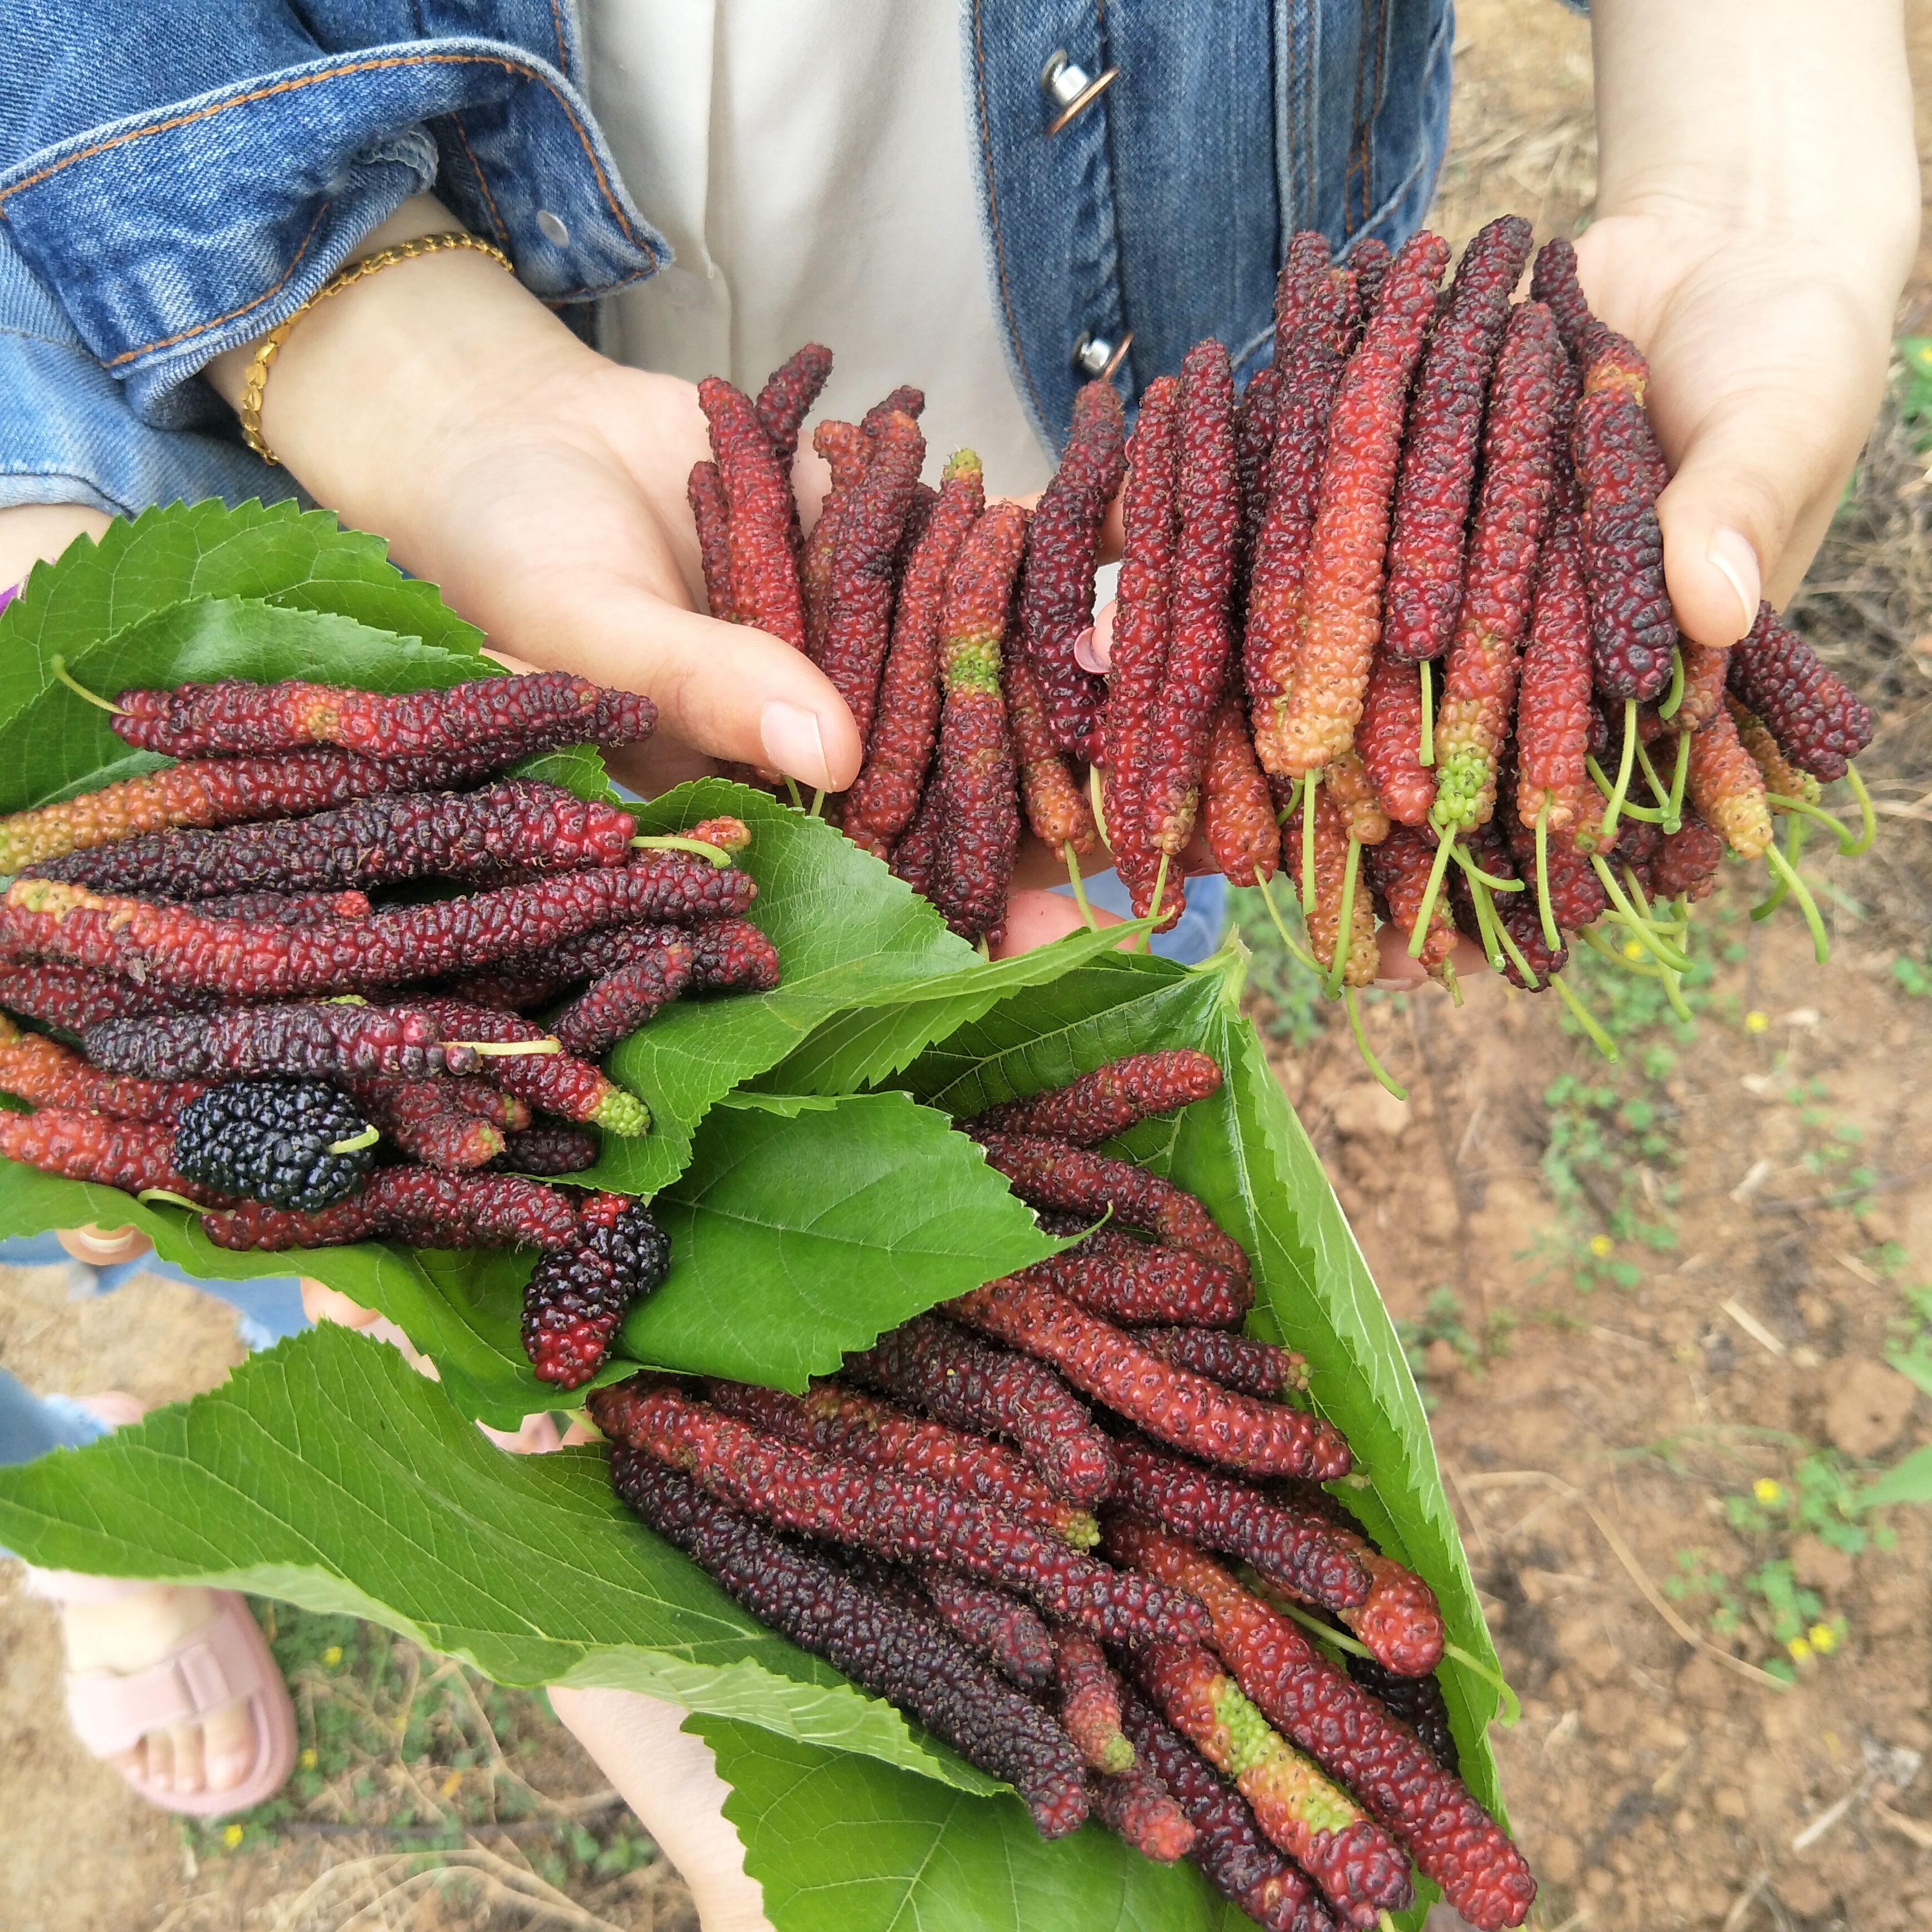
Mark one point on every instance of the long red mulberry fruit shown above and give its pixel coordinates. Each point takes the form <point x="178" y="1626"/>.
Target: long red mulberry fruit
<point x="1819" y="725"/>
<point x="1238" y="1362"/>
<point x="1512" y="513"/>
<point x="1237" y="811"/>
<point x="974" y="1388"/>
<point x="1112" y="1274"/>
<point x="1310" y="348"/>
<point x="1389" y="739"/>
<point x="1134" y="1806"/>
<point x="1295" y="1547"/>
<point x="1089" y="1701"/>
<point x="1173" y="1404"/>
<point x="419" y="1205"/>
<point x="1552" y="712"/>
<point x="1452" y="1839"/>
<point x="1208" y="506"/>
<point x="978" y="824"/>
<point x="1341" y="601"/>
<point x="318" y="1039"/>
<point x="287" y="908"/>
<point x="510" y="828"/>
<point x="1057" y="810"/>
<point x="1051" y="1174"/>
<point x="418" y="1118"/>
<point x="1632" y="631"/>
<point x="757" y="492"/>
<point x="1112" y="1099"/>
<point x="704" y="491"/>
<point x="905" y="726"/>
<point x="1438" y="456"/>
<point x="1356" y="1865"/>
<point x="1234" y="1856"/>
<point x="783" y="403"/>
<point x="1727" y="788"/>
<point x="1008" y="1633"/>
<point x="74" y="999"/>
<point x="897" y="1516"/>
<point x="1056" y="592"/>
<point x="206" y="792"/>
<point x="1687" y="860"/>
<point x="559" y="1083"/>
<point x="38" y="1070"/>
<point x="133" y="1156"/>
<point x="894" y="1652"/>
<point x="843" y="1422"/>
<point x="1143" y="617"/>
<point x="177" y="946"/>
<point x="510" y="714"/>
<point x="859" y="615"/>
<point x="625" y="998"/>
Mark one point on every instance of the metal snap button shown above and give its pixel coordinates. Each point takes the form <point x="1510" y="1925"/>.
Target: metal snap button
<point x="1070" y="88"/>
<point x="1094" y="355"/>
<point x="552" y="228"/>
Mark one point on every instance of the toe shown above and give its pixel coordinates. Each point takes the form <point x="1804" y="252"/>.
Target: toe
<point x="228" y="1746"/>
<point x="186" y="1740"/>
<point x="159" y="1770"/>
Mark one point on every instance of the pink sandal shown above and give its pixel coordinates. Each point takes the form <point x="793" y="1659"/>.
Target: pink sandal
<point x="226" y="1659"/>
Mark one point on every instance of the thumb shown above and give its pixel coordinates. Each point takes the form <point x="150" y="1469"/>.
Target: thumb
<point x="1753" y="491"/>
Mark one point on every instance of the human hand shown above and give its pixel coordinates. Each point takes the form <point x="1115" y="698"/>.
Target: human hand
<point x="542" y="487"/>
<point x="1757" y="210"/>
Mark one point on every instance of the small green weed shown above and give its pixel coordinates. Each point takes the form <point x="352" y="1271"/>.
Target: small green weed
<point x="1442" y="1320"/>
<point x="1819" y="1497"/>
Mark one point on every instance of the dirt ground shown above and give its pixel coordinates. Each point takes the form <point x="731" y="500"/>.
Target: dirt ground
<point x="1642" y="1300"/>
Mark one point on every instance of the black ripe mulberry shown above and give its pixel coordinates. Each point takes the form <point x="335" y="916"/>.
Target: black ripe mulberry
<point x="576" y="1297"/>
<point x="292" y="1144"/>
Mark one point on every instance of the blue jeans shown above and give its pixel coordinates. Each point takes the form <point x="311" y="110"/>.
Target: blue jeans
<point x="1197" y="932"/>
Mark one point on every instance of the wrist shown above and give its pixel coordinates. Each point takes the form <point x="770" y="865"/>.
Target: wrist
<point x="382" y="395"/>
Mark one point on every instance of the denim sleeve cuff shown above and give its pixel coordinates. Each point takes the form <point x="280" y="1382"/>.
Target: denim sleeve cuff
<point x="171" y="236"/>
<point x="67" y="435"/>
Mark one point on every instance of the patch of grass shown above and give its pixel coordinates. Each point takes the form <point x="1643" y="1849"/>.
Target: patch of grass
<point x="405" y="1743"/>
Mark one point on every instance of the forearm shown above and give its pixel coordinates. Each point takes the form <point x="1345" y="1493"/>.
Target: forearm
<point x="1778" y="116"/>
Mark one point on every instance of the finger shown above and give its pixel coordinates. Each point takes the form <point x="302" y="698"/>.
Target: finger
<point x="1094" y="649"/>
<point x="321" y="1303"/>
<point x="104" y="1247"/>
<point x="1035" y="919"/>
<point x="1396" y="972"/>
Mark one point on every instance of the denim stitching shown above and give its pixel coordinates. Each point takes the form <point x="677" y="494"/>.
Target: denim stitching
<point x="289" y="86"/>
<point x="482" y="186"/>
<point x="556" y="26"/>
<point x="216" y="321"/>
<point x="993" y="207"/>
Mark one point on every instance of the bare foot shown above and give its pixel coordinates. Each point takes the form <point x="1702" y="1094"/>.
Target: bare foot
<point x="134" y="1633"/>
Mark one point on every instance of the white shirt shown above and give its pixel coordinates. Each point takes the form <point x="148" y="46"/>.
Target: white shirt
<point x="808" y="163"/>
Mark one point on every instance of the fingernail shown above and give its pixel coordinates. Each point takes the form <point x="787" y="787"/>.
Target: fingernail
<point x="1085" y="654"/>
<point x="794" y="744"/>
<point x="1730" y="552"/>
<point x="1401" y="985"/>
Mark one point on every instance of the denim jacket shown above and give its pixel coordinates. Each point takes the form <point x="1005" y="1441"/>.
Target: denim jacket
<point x="178" y="176"/>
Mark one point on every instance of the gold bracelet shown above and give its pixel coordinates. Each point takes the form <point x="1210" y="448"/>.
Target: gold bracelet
<point x="249" y="409"/>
